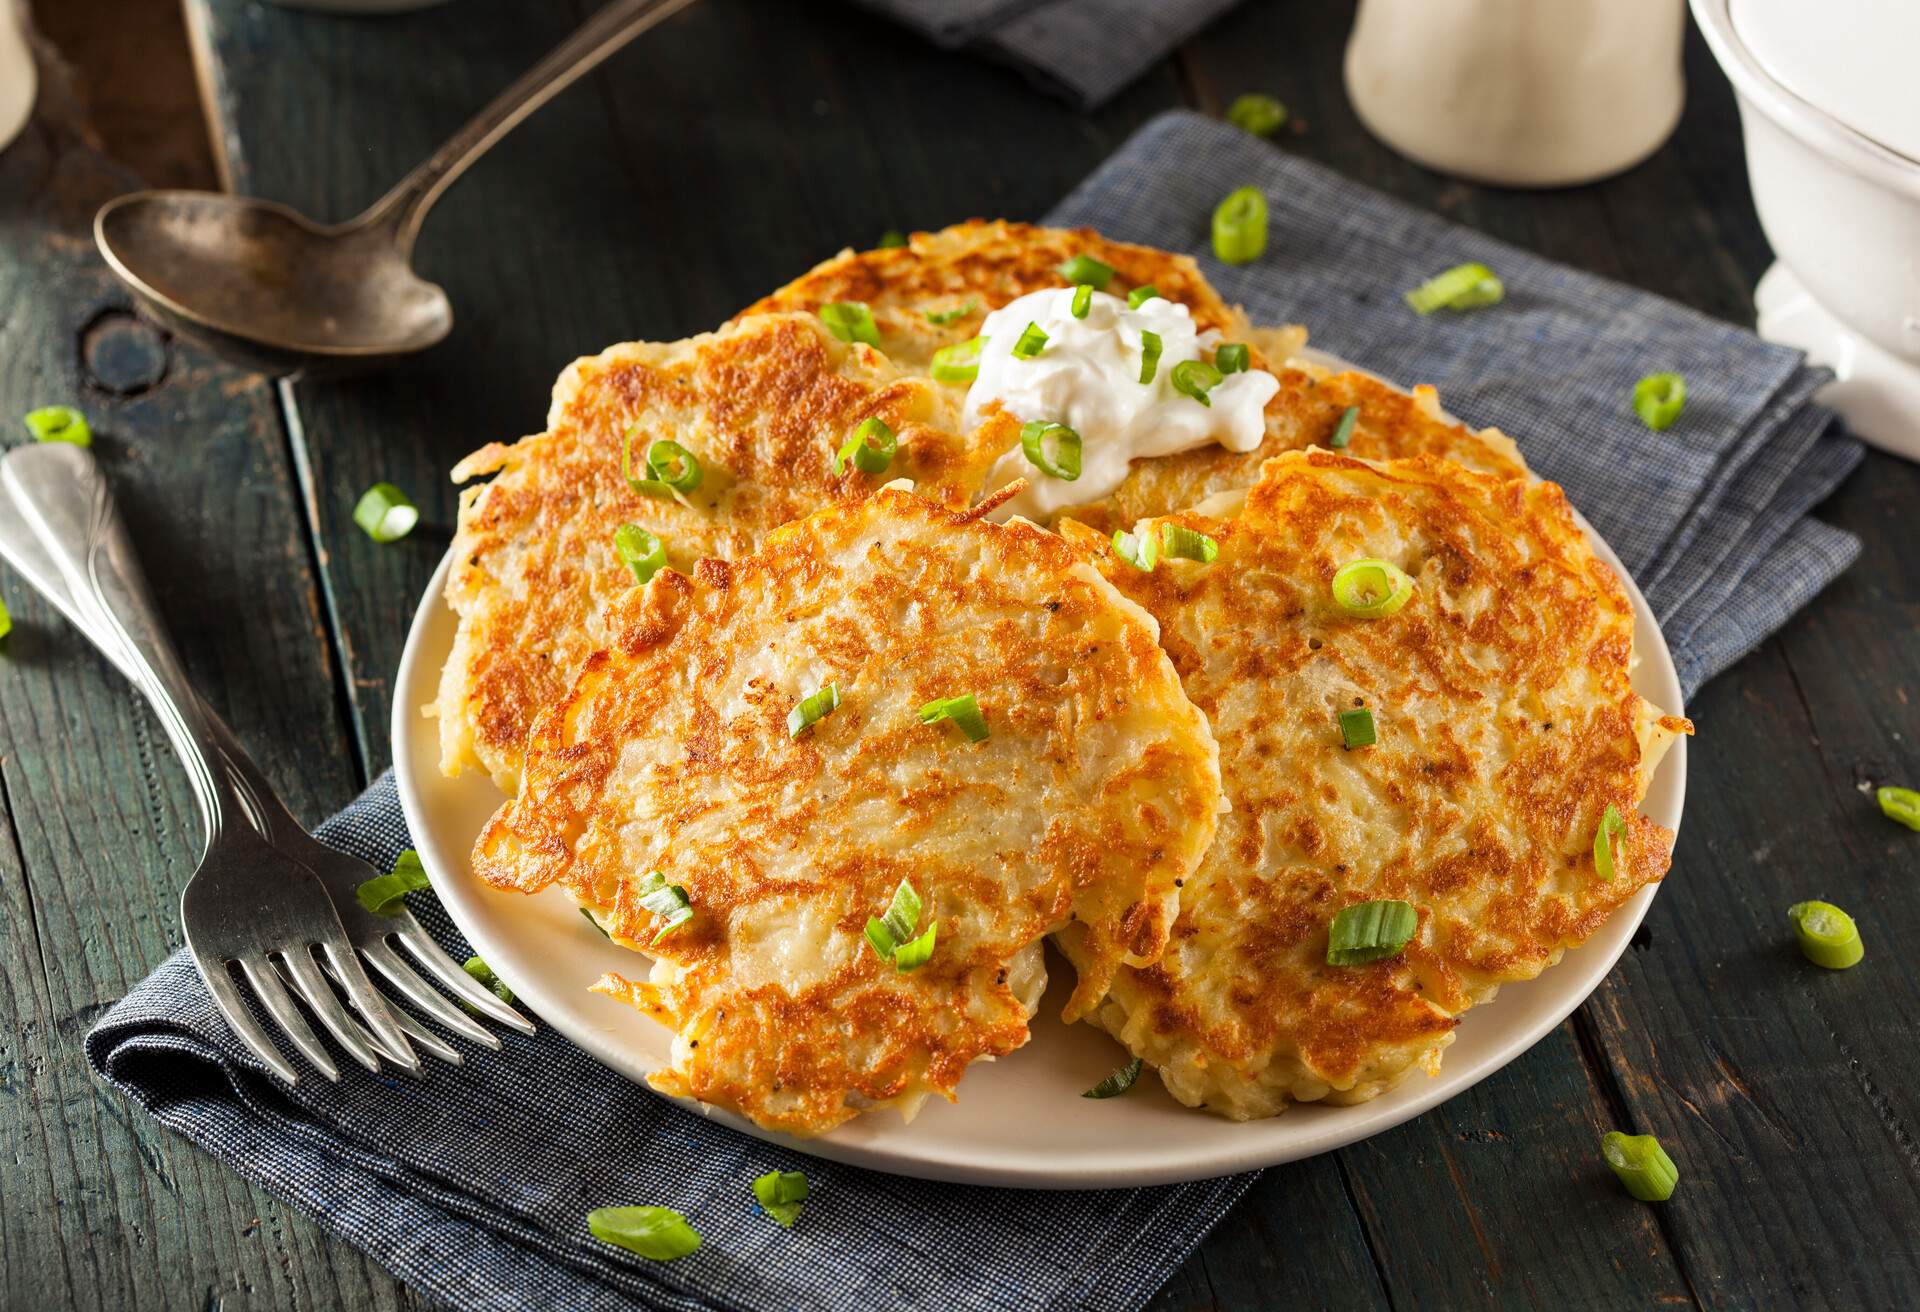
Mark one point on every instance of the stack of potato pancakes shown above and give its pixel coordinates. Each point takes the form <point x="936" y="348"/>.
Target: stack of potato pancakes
<point x="1294" y="753"/>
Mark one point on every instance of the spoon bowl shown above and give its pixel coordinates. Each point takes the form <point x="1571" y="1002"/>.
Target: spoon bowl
<point x="244" y="275"/>
<point x="268" y="288"/>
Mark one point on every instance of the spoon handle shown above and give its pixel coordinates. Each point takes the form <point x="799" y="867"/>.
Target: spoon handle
<point x="406" y="205"/>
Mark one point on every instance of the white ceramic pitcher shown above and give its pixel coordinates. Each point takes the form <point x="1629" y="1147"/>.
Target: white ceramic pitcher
<point x="1521" y="93"/>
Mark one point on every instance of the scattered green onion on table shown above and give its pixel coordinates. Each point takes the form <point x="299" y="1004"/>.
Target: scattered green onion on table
<point x="385" y="514"/>
<point x="780" y="1194"/>
<point x="383" y="894"/>
<point x="1901" y="805"/>
<point x="482" y="972"/>
<point x="1828" y="935"/>
<point x="1463" y="287"/>
<point x="1240" y="227"/>
<point x="1659" y="398"/>
<point x="1642" y="1165"/>
<point x="1261" y="115"/>
<point x="59" y="423"/>
<point x="657" y="1233"/>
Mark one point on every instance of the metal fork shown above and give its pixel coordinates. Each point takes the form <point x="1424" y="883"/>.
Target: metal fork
<point x="278" y="887"/>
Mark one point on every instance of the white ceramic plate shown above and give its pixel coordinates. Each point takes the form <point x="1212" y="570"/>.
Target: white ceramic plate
<point x="1020" y="1121"/>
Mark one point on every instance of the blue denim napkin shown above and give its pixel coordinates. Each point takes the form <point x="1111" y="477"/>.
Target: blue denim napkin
<point x="1083" y="51"/>
<point x="473" y="1185"/>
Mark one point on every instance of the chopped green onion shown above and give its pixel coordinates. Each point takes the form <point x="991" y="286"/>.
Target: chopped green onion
<point x="658" y="489"/>
<point x="1897" y="804"/>
<point x="385" y="514"/>
<point x="1828" y="936"/>
<point x="1343" y="431"/>
<point x="1142" y="551"/>
<point x="1231" y="358"/>
<point x="903" y="913"/>
<point x="958" y="363"/>
<point x="889" y="936"/>
<point x="675" y="466"/>
<point x="941" y="318"/>
<point x="1258" y="114"/>
<point x="59" y="423"/>
<point x="1356" y="728"/>
<point x="640" y="551"/>
<point x="1370" y="931"/>
<point x="1149" y="355"/>
<point x="1117" y="1083"/>
<point x="667" y="901"/>
<point x="850" y="321"/>
<point x="589" y="918"/>
<point x="1082" y="300"/>
<point x="1611" y="827"/>
<point x="916" y="953"/>
<point x="1139" y="296"/>
<point x="1659" y="398"/>
<point x="1642" y="1165"/>
<point x="383" y="893"/>
<point x="1064" y="463"/>
<point x="963" y="711"/>
<point x="780" y="1194"/>
<point x="1463" y="287"/>
<point x="892" y="239"/>
<point x="1371" y="589"/>
<point x="1178" y="542"/>
<point x="6" y="619"/>
<point x="657" y="1233"/>
<point x="1031" y="343"/>
<point x="870" y="449"/>
<point x="1084" y="268"/>
<point x="481" y="971"/>
<point x="811" y="709"/>
<point x="1195" y="378"/>
<point x="1240" y="227"/>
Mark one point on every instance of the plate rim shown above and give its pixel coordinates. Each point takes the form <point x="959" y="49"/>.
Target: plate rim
<point x="1577" y="976"/>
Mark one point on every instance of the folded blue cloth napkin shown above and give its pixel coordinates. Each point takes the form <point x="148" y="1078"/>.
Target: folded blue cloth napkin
<point x="1083" y="51"/>
<point x="473" y="1185"/>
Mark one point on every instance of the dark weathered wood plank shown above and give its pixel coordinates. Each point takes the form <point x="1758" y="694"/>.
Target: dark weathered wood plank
<point x="98" y="1207"/>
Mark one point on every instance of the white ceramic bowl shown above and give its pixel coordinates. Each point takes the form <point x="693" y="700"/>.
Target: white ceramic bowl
<point x="1842" y="210"/>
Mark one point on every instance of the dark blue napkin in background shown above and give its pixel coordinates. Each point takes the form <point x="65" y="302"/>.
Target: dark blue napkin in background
<point x="473" y="1185"/>
<point x="1083" y="51"/>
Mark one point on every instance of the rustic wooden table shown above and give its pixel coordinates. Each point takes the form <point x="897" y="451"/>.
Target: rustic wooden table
<point x="730" y="149"/>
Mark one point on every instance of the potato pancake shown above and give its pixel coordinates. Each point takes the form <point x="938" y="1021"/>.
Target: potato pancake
<point x="971" y="269"/>
<point x="1506" y="726"/>
<point x="937" y="289"/>
<point x="1092" y="794"/>
<point x="763" y="405"/>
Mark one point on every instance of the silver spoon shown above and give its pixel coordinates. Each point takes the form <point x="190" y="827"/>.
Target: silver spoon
<point x="268" y="288"/>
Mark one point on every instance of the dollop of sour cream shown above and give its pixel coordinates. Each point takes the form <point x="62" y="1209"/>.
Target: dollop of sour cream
<point x="1088" y="378"/>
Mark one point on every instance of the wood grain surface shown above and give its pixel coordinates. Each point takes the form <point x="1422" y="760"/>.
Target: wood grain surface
<point x="730" y="149"/>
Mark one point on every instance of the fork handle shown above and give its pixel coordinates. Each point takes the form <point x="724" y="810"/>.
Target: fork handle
<point x="66" y="516"/>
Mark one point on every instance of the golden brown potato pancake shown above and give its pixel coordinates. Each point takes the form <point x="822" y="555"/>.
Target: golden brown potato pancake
<point x="1506" y="724"/>
<point x="763" y="404"/>
<point x="1092" y="798"/>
